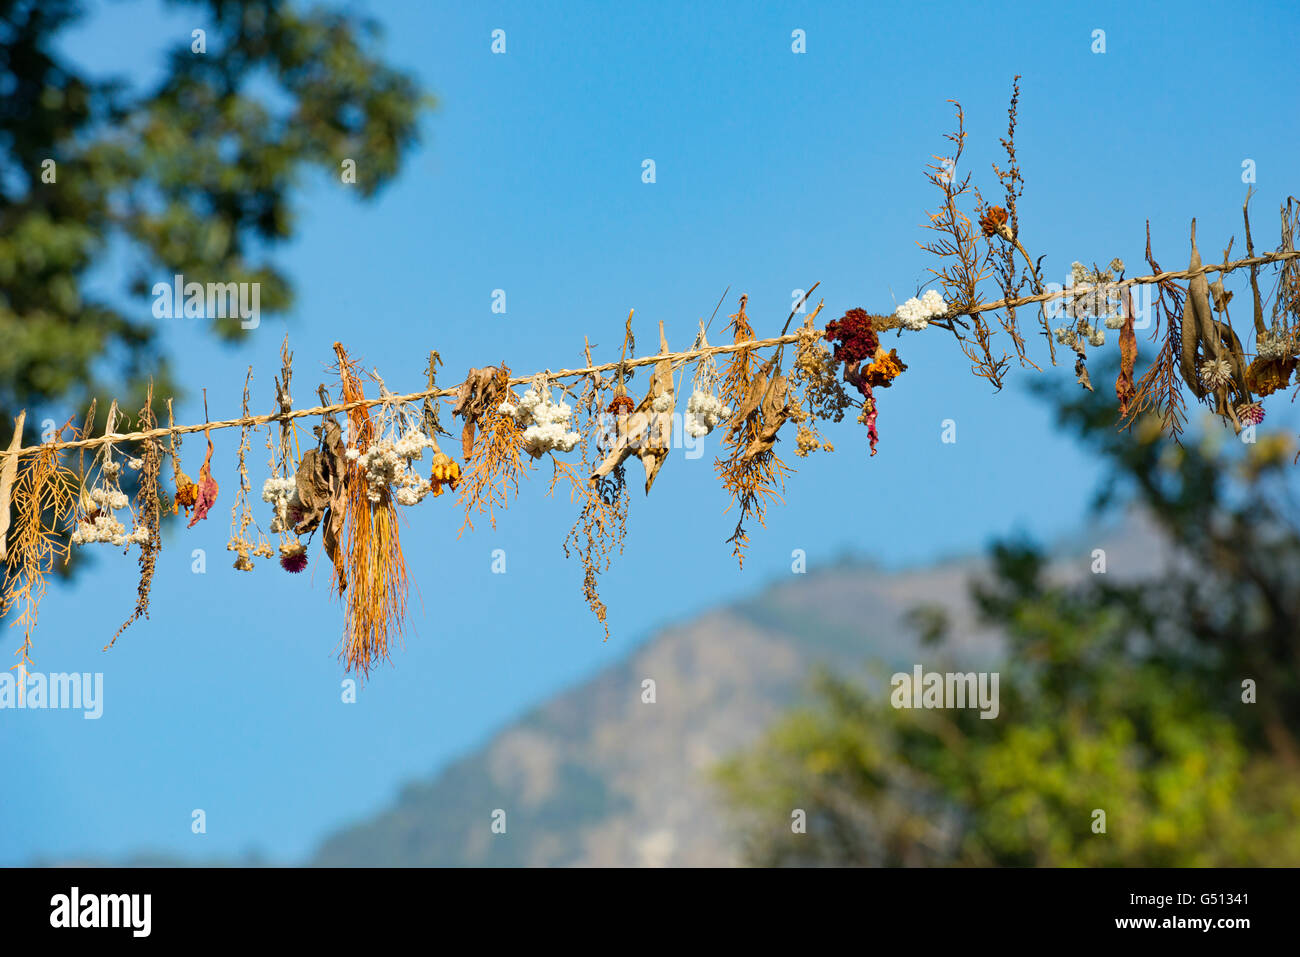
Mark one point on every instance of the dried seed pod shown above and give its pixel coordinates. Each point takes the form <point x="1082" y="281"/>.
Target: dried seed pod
<point x="1195" y="322"/>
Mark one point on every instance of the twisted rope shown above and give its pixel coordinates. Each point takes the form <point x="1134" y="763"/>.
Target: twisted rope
<point x="882" y="324"/>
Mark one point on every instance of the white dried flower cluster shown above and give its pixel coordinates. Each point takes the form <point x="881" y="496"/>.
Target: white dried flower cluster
<point x="1216" y="373"/>
<point x="111" y="468"/>
<point x="547" y="424"/>
<point x="105" y="527"/>
<point x="282" y="494"/>
<point x="704" y="411"/>
<point x="1073" y="336"/>
<point x="386" y="463"/>
<point x="917" y="313"/>
<point x="108" y="499"/>
<point x="1099" y="302"/>
<point x="1274" y="345"/>
<point x="135" y="464"/>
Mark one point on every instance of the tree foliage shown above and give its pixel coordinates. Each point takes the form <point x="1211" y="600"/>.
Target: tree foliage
<point x="191" y="176"/>
<point x="1118" y="695"/>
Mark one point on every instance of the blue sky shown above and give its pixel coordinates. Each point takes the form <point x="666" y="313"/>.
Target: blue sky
<point x="774" y="170"/>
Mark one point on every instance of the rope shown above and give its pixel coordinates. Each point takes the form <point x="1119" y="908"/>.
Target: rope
<point x="881" y="324"/>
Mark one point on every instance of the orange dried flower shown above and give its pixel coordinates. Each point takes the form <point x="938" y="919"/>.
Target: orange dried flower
<point x="622" y="403"/>
<point x="884" y="368"/>
<point x="187" y="493"/>
<point x="445" y="472"/>
<point x="995" y="221"/>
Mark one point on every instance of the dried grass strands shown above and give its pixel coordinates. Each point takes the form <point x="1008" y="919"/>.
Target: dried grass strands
<point x="375" y="604"/>
<point x="44" y="500"/>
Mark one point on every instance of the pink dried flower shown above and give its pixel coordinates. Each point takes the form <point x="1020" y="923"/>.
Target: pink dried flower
<point x="1252" y="413"/>
<point x="294" y="562"/>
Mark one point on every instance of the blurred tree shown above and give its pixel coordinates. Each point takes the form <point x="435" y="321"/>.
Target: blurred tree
<point x="190" y="177"/>
<point x="1124" y="696"/>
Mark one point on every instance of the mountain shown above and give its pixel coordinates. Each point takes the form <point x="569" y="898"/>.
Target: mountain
<point x="597" y="776"/>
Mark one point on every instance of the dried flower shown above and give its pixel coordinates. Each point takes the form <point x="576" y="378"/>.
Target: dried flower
<point x="1250" y="413"/>
<point x="622" y="405"/>
<point x="917" y="313"/>
<point x="884" y="368"/>
<point x="1216" y="373"/>
<point x="546" y="423"/>
<point x="994" y="221"/>
<point x="1266" y="376"/>
<point x="293" y="556"/>
<point x="704" y="411"/>
<point x="854" y="337"/>
<point x="206" y="494"/>
<point x="445" y="472"/>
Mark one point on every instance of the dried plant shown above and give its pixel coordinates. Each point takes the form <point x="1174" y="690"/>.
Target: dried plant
<point x="149" y="505"/>
<point x="961" y="268"/>
<point x="44" y="497"/>
<point x="349" y="488"/>
<point x="1159" y="391"/>
<point x="494" y="464"/>
<point x="814" y="375"/>
<point x="481" y="393"/>
<point x="643" y="430"/>
<point x="376" y="584"/>
<point x="601" y="525"/>
<point x="241" y="512"/>
<point x="1003" y="224"/>
<point x="750" y="470"/>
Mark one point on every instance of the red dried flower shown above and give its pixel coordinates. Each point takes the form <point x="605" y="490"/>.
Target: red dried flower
<point x="1252" y="413"/>
<point x="854" y="337"/>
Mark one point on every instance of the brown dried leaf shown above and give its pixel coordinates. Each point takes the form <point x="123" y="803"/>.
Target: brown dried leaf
<point x="659" y="426"/>
<point x="479" y="392"/>
<point x="776" y="408"/>
<point x="1125" y="390"/>
<point x="1081" y="373"/>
